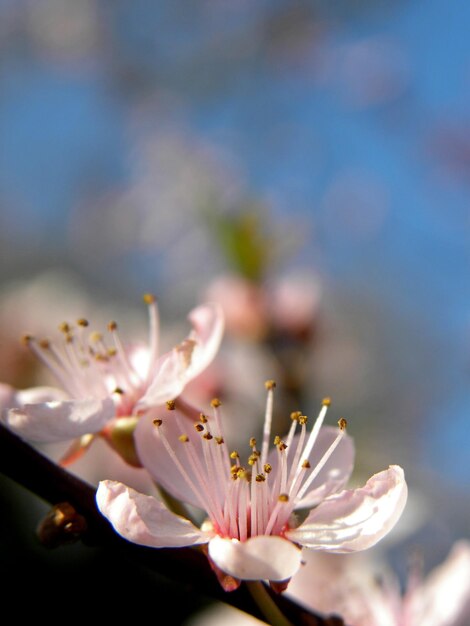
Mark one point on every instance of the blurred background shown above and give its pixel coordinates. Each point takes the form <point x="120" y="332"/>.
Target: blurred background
<point x="307" y="164"/>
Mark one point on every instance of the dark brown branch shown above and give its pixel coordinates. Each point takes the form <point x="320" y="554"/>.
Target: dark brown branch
<point x="185" y="566"/>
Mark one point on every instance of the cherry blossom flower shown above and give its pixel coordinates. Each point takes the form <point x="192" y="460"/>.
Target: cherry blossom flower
<point x="106" y="386"/>
<point x="252" y="530"/>
<point x="353" y="590"/>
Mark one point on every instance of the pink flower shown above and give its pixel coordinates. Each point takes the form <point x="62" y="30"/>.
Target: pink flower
<point x="353" y="591"/>
<point x="252" y="531"/>
<point x="106" y="386"/>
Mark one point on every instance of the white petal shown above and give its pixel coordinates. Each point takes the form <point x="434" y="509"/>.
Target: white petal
<point x="154" y="456"/>
<point x="208" y="329"/>
<point x="36" y="395"/>
<point x="265" y="557"/>
<point x="355" y="519"/>
<point x="51" y="422"/>
<point x="144" y="519"/>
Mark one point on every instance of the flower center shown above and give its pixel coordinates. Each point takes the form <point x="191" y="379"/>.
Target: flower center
<point x="258" y="497"/>
<point x="88" y="364"/>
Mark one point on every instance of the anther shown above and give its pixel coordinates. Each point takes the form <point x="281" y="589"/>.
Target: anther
<point x="44" y="344"/>
<point x="119" y="391"/>
<point x="112" y="326"/>
<point x="149" y="298"/>
<point x="219" y="440"/>
<point x="208" y="436"/>
<point x="203" y="418"/>
<point x="252" y="442"/>
<point x="234" y="469"/>
<point x="95" y="337"/>
<point x="157" y="423"/>
<point x="183" y="438"/>
<point x="260" y="478"/>
<point x="306" y="464"/>
<point x="267" y="468"/>
<point x="215" y="403"/>
<point x="65" y="327"/>
<point x="234" y="455"/>
<point x="303" y="420"/>
<point x="199" y="427"/>
<point x="170" y="405"/>
<point x="295" y="415"/>
<point x="277" y="440"/>
<point x="342" y="423"/>
<point x="270" y="384"/>
<point x="326" y="401"/>
<point x="26" y="340"/>
<point x="111" y="352"/>
<point x="82" y="322"/>
<point x="283" y="497"/>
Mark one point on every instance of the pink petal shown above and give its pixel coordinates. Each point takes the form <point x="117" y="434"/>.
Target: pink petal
<point x="144" y="519"/>
<point x="154" y="456"/>
<point x="7" y="397"/>
<point x="177" y="367"/>
<point x="355" y="519"/>
<point x="444" y="598"/>
<point x="208" y="329"/>
<point x="55" y="421"/>
<point x="336" y="471"/>
<point x="265" y="557"/>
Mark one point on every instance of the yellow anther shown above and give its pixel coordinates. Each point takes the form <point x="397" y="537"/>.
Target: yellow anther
<point x="342" y="423"/>
<point x="306" y="464"/>
<point x="203" y="418"/>
<point x="112" y="326"/>
<point x="283" y="497"/>
<point x="149" y="298"/>
<point x="157" y="423"/>
<point x="215" y="403"/>
<point x="111" y="352"/>
<point x="303" y="420"/>
<point x="326" y="401"/>
<point x="26" y="339"/>
<point x="170" y="405"/>
<point x="199" y="427"/>
<point x="295" y="415"/>
<point x="234" y="469"/>
<point x="82" y="322"/>
<point x="65" y="327"/>
<point x="183" y="438"/>
<point x="270" y="384"/>
<point x="277" y="440"/>
<point x="234" y="455"/>
<point x="252" y="459"/>
<point x="252" y="442"/>
<point x="219" y="440"/>
<point x="95" y="337"/>
<point x="260" y="478"/>
<point x="267" y="468"/>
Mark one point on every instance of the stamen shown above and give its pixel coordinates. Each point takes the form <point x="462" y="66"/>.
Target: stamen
<point x="323" y="460"/>
<point x="170" y="405"/>
<point x="154" y="332"/>
<point x="268" y="417"/>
